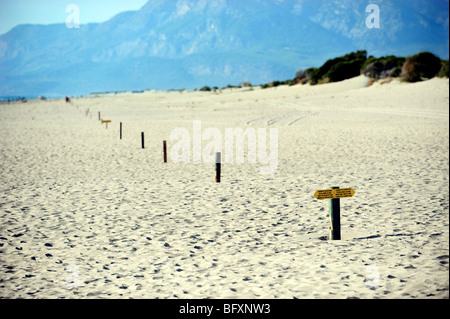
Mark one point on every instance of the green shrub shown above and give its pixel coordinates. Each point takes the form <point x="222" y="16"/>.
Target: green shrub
<point x="229" y="86"/>
<point x="311" y="75"/>
<point x="396" y="72"/>
<point x="409" y="71"/>
<point x="291" y="82"/>
<point x="205" y="88"/>
<point x="413" y="68"/>
<point x="334" y="69"/>
<point x="345" y="70"/>
<point x="369" y="61"/>
<point x="277" y="83"/>
<point x="421" y="65"/>
<point x="378" y="68"/>
<point x="443" y="72"/>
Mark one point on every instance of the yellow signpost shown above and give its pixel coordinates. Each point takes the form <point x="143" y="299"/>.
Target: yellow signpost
<point x="334" y="194"/>
<point x="106" y="121"/>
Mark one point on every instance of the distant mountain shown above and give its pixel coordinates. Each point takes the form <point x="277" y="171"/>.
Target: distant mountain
<point x="174" y="44"/>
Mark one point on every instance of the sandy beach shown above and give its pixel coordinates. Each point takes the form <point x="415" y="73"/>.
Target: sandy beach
<point x="85" y="214"/>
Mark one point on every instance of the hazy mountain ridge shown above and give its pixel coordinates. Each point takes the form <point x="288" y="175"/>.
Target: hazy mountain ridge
<point x="187" y="44"/>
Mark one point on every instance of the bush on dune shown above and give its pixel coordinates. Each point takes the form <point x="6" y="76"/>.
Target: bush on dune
<point x="205" y="89"/>
<point x="340" y="68"/>
<point x="421" y="65"/>
<point x="345" y="70"/>
<point x="305" y="76"/>
<point x="444" y="69"/>
<point x="384" y="67"/>
<point x="409" y="71"/>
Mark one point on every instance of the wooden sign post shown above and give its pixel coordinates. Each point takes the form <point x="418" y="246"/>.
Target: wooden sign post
<point x="335" y="218"/>
<point x="334" y="194"/>
<point x="106" y="121"/>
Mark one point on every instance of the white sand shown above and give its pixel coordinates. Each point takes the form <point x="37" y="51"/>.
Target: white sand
<point x="84" y="214"/>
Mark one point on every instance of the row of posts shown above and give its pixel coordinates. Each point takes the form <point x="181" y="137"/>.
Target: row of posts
<point x="218" y="156"/>
<point x="335" y="227"/>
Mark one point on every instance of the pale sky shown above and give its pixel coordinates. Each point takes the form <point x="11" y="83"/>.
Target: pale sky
<point x="15" y="12"/>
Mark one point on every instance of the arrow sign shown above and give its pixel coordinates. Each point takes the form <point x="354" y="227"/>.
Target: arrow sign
<point x="334" y="193"/>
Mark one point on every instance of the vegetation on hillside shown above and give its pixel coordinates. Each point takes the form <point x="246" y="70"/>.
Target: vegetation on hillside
<point x="444" y="69"/>
<point x="384" y="67"/>
<point x="418" y="67"/>
<point x="423" y="65"/>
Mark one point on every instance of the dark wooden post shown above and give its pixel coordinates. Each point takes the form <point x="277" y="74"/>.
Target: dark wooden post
<point x="142" y="139"/>
<point x="120" y="130"/>
<point x="165" y="151"/>
<point x="218" y="167"/>
<point x="335" y="218"/>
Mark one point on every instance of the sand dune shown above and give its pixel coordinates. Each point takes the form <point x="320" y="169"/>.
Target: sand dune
<point x="87" y="215"/>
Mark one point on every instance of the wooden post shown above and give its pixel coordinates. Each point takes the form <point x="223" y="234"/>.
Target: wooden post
<point x="335" y="218"/>
<point x="142" y="139"/>
<point x="106" y="122"/>
<point x="120" y="130"/>
<point x="218" y="167"/>
<point x="165" y="151"/>
<point x="99" y="118"/>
